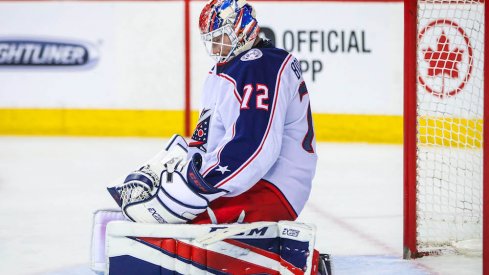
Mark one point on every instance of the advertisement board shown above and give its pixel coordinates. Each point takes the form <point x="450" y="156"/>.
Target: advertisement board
<point x="124" y="72"/>
<point x="351" y="53"/>
<point x="127" y="56"/>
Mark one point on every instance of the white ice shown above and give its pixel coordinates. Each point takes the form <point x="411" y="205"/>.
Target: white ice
<point x="49" y="188"/>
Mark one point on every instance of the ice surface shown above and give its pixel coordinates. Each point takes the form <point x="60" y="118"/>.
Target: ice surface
<point x="49" y="188"/>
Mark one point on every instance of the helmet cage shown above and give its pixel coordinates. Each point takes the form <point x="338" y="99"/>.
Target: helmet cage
<point x="215" y="40"/>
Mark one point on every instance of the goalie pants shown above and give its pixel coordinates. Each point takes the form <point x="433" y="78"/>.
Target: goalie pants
<point x="263" y="202"/>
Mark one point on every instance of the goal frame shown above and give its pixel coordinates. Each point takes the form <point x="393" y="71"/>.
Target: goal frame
<point x="410" y="67"/>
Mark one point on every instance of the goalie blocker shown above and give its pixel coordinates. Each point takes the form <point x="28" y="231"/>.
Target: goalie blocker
<point x="166" y="189"/>
<point x="123" y="247"/>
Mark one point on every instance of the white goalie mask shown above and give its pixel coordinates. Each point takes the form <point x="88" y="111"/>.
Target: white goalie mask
<point x="221" y="43"/>
<point x="228" y="28"/>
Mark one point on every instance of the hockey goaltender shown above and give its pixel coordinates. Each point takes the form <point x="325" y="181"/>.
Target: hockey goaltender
<point x="225" y="202"/>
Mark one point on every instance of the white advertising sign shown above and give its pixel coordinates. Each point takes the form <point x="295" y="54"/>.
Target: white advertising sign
<point x="451" y="60"/>
<point x="351" y="53"/>
<point x="123" y="55"/>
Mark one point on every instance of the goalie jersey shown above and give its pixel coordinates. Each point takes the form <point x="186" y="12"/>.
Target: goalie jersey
<point x="256" y="124"/>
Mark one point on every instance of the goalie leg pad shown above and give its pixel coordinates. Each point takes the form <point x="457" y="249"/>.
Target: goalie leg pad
<point x="257" y="248"/>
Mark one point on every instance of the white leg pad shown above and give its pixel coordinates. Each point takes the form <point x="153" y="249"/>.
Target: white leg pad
<point x="260" y="248"/>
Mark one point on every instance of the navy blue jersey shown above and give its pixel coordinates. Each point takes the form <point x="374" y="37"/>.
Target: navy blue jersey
<point x="256" y="124"/>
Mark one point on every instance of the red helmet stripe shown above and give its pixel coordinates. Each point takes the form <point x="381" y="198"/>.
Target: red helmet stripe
<point x="211" y="25"/>
<point x="237" y="22"/>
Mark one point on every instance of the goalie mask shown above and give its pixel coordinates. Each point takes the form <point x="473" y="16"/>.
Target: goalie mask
<point x="228" y="28"/>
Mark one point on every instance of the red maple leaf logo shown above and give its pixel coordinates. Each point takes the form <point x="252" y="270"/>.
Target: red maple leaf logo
<point x="443" y="61"/>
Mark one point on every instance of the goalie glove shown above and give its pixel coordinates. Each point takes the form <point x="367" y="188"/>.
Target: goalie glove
<point x="144" y="182"/>
<point x="182" y="195"/>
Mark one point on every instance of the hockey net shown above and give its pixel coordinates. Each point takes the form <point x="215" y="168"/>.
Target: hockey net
<point x="444" y="111"/>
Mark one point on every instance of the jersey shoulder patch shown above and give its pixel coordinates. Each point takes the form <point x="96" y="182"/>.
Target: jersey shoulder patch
<point x="252" y="54"/>
<point x="258" y="65"/>
<point x="262" y="60"/>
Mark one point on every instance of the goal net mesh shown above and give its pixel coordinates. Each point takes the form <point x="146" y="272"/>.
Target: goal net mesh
<point x="450" y="63"/>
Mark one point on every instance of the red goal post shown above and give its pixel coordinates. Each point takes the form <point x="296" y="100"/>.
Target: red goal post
<point x="445" y="104"/>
